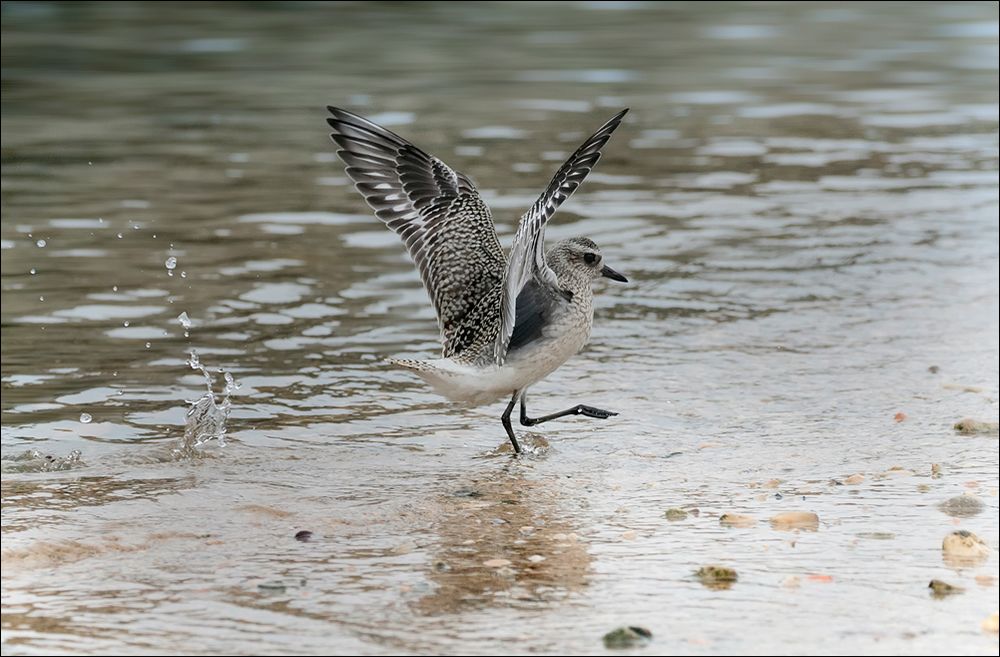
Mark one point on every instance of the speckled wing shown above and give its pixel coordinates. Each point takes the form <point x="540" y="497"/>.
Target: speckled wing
<point x="437" y="212"/>
<point x="527" y="254"/>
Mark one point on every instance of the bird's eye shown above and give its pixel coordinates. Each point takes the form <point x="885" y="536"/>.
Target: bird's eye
<point x="590" y="258"/>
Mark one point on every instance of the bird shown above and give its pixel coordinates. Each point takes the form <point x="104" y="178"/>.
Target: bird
<point x="506" y="322"/>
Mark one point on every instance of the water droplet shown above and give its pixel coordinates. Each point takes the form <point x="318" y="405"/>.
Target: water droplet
<point x="120" y="235"/>
<point x="89" y="163"/>
<point x="41" y="298"/>
<point x="171" y="264"/>
<point x="33" y="272"/>
<point x="125" y="323"/>
<point x="40" y="244"/>
<point x="85" y="418"/>
<point x="115" y="373"/>
<point x="148" y="345"/>
<point x="184" y="274"/>
<point x="185" y="320"/>
<point x="114" y="288"/>
<point x="100" y="219"/>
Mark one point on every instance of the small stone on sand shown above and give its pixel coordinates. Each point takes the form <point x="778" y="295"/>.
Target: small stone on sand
<point x="942" y="589"/>
<point x="627" y="637"/>
<point x="673" y="515"/>
<point x="737" y="520"/>
<point x="795" y="520"/>
<point x="963" y="548"/>
<point x="962" y="506"/>
<point x="970" y="427"/>
<point x="496" y="563"/>
<point x="717" y="577"/>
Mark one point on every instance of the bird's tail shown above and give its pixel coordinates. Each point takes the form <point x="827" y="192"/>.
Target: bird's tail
<point x="415" y="365"/>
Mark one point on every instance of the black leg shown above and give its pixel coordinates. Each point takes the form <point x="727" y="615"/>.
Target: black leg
<point x="579" y="409"/>
<point x="505" y="419"/>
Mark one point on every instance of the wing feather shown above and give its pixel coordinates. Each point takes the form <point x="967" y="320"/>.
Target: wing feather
<point x="527" y="254"/>
<point x="437" y="212"/>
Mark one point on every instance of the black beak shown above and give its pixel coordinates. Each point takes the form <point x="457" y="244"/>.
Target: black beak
<point x="608" y="272"/>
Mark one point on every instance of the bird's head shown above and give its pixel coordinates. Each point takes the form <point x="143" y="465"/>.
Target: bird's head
<point x="580" y="258"/>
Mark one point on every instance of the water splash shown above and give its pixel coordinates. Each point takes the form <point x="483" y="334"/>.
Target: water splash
<point x="207" y="417"/>
<point x="35" y="461"/>
<point x="185" y="322"/>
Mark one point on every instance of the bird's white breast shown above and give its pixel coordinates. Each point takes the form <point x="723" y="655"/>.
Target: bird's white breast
<point x="565" y="334"/>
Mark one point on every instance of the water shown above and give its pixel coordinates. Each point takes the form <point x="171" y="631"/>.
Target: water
<point x="804" y="197"/>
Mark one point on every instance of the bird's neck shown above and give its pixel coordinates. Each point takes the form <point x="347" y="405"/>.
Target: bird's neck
<point x="580" y="287"/>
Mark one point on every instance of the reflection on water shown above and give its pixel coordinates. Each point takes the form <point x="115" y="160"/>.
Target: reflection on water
<point x="804" y="196"/>
<point x="503" y="541"/>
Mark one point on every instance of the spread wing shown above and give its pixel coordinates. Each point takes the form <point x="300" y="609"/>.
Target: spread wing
<point x="527" y="254"/>
<point x="437" y="212"/>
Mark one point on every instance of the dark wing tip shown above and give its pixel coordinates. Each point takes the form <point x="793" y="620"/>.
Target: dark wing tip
<point x="615" y="120"/>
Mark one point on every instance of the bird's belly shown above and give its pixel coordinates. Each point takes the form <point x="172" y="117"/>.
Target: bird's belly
<point x="539" y="358"/>
<point x="560" y="339"/>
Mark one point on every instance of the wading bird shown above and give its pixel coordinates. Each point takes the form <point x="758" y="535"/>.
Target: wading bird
<point x="505" y="323"/>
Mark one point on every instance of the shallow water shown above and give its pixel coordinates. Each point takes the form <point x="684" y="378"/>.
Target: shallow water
<point x="805" y="199"/>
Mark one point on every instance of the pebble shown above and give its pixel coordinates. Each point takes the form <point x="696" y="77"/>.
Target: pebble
<point x="795" y="520"/>
<point x="854" y="479"/>
<point x="969" y="427"/>
<point x="962" y="506"/>
<point x="627" y="637"/>
<point x="717" y="577"/>
<point x="963" y="548"/>
<point x="673" y="515"/>
<point x="942" y="589"/>
<point x="737" y="520"/>
<point x="304" y="536"/>
<point x="272" y="587"/>
<point x="496" y="563"/>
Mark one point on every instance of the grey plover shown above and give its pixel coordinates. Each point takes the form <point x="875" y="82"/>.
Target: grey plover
<point x="505" y="323"/>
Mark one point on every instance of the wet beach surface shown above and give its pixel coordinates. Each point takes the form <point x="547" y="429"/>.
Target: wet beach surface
<point x="804" y="197"/>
